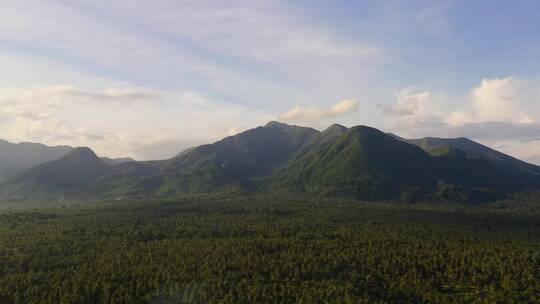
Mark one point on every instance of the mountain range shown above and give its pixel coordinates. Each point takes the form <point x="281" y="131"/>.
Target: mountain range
<point x="359" y="162"/>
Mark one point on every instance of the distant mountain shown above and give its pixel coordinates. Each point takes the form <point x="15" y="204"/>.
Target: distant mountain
<point x="473" y="150"/>
<point x="116" y="161"/>
<point x="71" y="172"/>
<point x="15" y="158"/>
<point x="360" y="162"/>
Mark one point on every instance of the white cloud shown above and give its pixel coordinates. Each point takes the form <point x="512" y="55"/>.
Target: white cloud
<point x="313" y="114"/>
<point x="502" y="113"/>
<point x="508" y="99"/>
<point x="242" y="50"/>
<point x="142" y="123"/>
<point x="412" y="102"/>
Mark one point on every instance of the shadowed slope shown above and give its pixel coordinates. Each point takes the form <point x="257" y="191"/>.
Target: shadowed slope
<point x="14" y="158"/>
<point x="79" y="168"/>
<point x="239" y="161"/>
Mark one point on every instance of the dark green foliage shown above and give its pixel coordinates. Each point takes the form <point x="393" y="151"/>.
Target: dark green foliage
<point x="452" y="193"/>
<point x="363" y="162"/>
<point x="448" y="151"/>
<point x="268" y="249"/>
<point x="128" y="179"/>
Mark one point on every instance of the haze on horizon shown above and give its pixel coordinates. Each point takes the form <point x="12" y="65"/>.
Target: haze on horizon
<point x="148" y="79"/>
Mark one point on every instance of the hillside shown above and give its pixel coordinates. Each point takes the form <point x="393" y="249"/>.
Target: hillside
<point x="438" y="146"/>
<point x="79" y="168"/>
<point x="362" y="162"/>
<point x="15" y="158"/>
<point x="368" y="164"/>
<point x="237" y="162"/>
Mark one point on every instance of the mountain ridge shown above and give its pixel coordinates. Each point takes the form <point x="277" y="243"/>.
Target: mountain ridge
<point x="16" y="157"/>
<point x="471" y="148"/>
<point x="78" y="168"/>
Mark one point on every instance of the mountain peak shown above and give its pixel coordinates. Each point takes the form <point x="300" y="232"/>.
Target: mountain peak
<point x="276" y="124"/>
<point x="336" y="128"/>
<point x="82" y="151"/>
<point x="365" y="129"/>
<point x="290" y="129"/>
<point x="82" y="154"/>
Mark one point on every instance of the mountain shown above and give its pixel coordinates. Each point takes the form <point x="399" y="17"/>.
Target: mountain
<point x="360" y="162"/>
<point x="237" y="162"/>
<point x="116" y="161"/>
<point x="368" y="164"/>
<point x="319" y="138"/>
<point x="71" y="172"/>
<point x="333" y="131"/>
<point x="15" y="158"/>
<point x="126" y="180"/>
<point x="473" y="150"/>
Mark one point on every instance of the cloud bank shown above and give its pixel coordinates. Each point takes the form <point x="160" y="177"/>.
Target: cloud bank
<point x="126" y="120"/>
<point x="501" y="112"/>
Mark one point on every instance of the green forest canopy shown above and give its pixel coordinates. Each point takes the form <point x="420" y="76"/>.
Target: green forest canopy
<point x="267" y="249"/>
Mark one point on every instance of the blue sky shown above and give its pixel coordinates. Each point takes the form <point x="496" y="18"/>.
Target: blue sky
<point x="148" y="79"/>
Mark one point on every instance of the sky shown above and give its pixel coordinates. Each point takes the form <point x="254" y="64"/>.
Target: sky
<point x="148" y="79"/>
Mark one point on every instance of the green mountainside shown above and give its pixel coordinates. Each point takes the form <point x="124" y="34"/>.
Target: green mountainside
<point x="472" y="149"/>
<point x="360" y="162"/>
<point x="363" y="162"/>
<point x="243" y="161"/>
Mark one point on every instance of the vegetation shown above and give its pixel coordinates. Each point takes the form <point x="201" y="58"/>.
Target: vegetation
<point x="269" y="249"/>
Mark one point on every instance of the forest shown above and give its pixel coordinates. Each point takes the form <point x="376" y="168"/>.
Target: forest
<point x="269" y="248"/>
